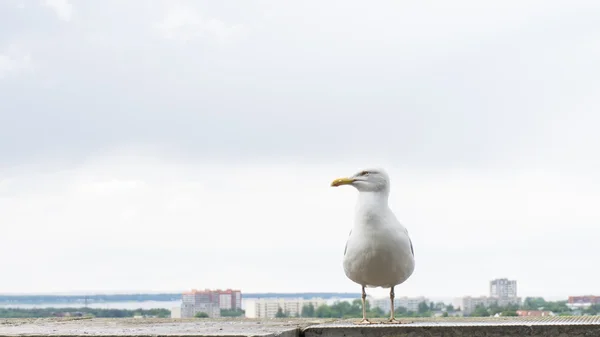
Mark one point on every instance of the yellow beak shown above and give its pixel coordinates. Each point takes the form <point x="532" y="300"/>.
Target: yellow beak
<point x="342" y="181"/>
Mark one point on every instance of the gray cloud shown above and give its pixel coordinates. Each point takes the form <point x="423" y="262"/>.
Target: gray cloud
<point x="408" y="82"/>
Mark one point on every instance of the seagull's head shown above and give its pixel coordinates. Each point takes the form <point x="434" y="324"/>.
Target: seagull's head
<point x="369" y="180"/>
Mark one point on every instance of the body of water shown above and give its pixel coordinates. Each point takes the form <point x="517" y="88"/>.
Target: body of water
<point x="100" y="305"/>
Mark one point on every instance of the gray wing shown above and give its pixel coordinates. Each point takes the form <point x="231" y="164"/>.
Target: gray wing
<point x="346" y="247"/>
<point x="412" y="251"/>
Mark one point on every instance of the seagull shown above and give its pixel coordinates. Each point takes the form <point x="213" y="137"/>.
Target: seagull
<point x="378" y="252"/>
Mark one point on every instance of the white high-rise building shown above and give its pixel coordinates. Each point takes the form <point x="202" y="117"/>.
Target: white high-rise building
<point x="410" y="303"/>
<point x="196" y="301"/>
<point x="210" y="302"/>
<point x="176" y="312"/>
<point x="268" y="307"/>
<point x="468" y="303"/>
<point x="187" y="310"/>
<point x="230" y="299"/>
<point x="503" y="292"/>
<point x="503" y="288"/>
<point x="225" y="301"/>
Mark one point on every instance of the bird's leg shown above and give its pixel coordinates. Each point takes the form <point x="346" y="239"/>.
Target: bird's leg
<point x="364" y="308"/>
<point x="392" y="318"/>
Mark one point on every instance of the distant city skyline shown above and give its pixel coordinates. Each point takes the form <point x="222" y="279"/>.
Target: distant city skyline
<point x="376" y="293"/>
<point x="445" y="299"/>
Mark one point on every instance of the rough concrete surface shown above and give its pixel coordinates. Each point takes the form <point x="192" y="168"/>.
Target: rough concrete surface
<point x="153" y="327"/>
<point x="463" y="327"/>
<point x="430" y="327"/>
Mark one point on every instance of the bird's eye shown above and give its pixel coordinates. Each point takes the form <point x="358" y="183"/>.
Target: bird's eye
<point x="364" y="173"/>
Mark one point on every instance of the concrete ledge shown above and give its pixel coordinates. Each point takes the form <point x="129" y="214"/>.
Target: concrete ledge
<point x="153" y="327"/>
<point x="431" y="327"/>
<point x="464" y="327"/>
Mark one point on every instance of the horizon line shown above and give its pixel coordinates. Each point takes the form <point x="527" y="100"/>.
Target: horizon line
<point x="100" y="293"/>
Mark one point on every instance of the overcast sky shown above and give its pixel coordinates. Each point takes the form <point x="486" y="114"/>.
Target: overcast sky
<point x="168" y="145"/>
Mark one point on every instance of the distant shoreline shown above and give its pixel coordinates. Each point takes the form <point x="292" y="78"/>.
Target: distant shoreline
<point x="97" y="298"/>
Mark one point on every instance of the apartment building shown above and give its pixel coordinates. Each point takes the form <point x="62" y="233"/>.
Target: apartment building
<point x="210" y="302"/>
<point x="268" y="307"/>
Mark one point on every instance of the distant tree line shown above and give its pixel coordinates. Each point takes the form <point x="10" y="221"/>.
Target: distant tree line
<point x="354" y="309"/>
<point x="481" y="311"/>
<point x="593" y="310"/>
<point x="232" y="312"/>
<point x="538" y="303"/>
<point x="92" y="312"/>
<point x="224" y="313"/>
<point x="531" y="303"/>
<point x="336" y="310"/>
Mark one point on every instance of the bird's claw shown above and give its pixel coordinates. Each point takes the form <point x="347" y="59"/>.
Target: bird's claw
<point x="364" y="321"/>
<point x="393" y="321"/>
